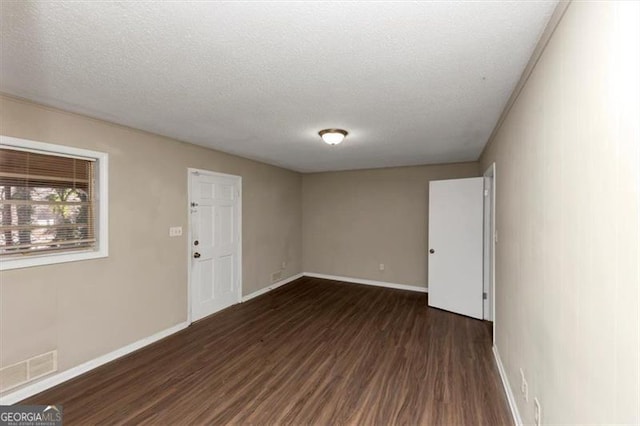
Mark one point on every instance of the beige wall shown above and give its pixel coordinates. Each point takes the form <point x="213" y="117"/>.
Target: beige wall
<point x="567" y="217"/>
<point x="355" y="220"/>
<point x="89" y="308"/>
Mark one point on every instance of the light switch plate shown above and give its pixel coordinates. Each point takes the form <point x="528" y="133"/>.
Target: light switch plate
<point x="175" y="231"/>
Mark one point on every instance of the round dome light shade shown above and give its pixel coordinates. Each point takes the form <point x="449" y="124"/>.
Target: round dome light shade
<point x="333" y="136"/>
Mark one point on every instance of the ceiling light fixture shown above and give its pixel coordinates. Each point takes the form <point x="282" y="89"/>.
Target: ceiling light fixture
<point x="333" y="136"/>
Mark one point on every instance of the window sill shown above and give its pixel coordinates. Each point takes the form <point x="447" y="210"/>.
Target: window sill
<point x="50" y="259"/>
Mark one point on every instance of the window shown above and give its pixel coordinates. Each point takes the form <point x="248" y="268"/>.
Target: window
<point x="52" y="203"/>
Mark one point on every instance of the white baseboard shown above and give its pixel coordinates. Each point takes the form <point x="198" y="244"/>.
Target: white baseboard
<point x="271" y="287"/>
<point x="69" y="374"/>
<point x="507" y="389"/>
<point x="366" y="282"/>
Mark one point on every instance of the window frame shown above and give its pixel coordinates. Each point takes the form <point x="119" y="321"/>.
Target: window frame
<point x="101" y="188"/>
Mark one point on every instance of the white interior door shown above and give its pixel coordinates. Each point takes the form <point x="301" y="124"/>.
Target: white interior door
<point x="455" y="245"/>
<point x="215" y="242"/>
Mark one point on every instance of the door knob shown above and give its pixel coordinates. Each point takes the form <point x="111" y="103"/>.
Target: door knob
<point x="196" y="255"/>
<point x="432" y="251"/>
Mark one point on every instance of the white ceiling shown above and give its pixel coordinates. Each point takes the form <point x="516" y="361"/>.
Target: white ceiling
<point x="413" y="83"/>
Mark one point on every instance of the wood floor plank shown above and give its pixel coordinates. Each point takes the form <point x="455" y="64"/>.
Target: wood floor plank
<point x="312" y="352"/>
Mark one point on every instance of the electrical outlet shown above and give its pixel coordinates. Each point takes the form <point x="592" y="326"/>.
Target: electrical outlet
<point x="284" y="264"/>
<point x="537" y="412"/>
<point x="382" y="266"/>
<point x="175" y="231"/>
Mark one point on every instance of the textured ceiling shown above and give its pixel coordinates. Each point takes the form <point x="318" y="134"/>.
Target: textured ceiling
<point x="413" y="83"/>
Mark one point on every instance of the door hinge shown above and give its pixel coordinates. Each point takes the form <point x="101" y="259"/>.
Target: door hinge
<point x="484" y="295"/>
<point x="486" y="192"/>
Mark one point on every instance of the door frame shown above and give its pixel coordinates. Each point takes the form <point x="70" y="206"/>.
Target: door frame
<point x="238" y="180"/>
<point x="489" y="237"/>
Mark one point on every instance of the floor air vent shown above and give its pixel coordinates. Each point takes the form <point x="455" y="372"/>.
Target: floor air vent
<point x="26" y="371"/>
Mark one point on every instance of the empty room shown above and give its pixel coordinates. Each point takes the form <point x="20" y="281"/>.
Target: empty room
<point x="319" y="213"/>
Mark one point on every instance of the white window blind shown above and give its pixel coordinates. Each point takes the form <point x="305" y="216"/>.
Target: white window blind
<point x="46" y="203"/>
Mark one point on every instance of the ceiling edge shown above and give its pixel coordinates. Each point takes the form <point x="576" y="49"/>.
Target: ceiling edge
<point x="56" y="109"/>
<point x="366" y="169"/>
<point x="549" y="29"/>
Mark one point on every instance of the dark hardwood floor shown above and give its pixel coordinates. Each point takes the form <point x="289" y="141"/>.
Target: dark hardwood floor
<point x="311" y="352"/>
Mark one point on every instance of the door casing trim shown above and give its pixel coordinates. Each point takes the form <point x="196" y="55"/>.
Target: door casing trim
<point x="488" y="239"/>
